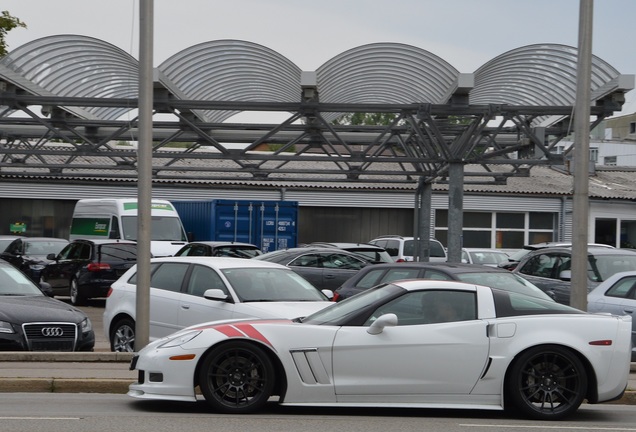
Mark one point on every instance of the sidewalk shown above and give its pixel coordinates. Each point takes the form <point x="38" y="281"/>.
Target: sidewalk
<point x="103" y="372"/>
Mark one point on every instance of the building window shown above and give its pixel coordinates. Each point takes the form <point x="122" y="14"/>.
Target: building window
<point x="503" y="230"/>
<point x="594" y="155"/>
<point x="632" y="127"/>
<point x="609" y="160"/>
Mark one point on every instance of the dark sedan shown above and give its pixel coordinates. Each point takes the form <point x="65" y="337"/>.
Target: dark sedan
<point x="472" y="273"/>
<point x="324" y="268"/>
<point x="29" y="254"/>
<point x="32" y="321"/>
<point x="551" y="268"/>
<point x="219" y="249"/>
<point x="85" y="269"/>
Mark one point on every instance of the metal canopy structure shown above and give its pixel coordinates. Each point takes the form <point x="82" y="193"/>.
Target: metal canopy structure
<point x="505" y="117"/>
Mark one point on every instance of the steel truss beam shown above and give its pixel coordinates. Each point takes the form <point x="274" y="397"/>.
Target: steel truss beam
<point x="421" y="142"/>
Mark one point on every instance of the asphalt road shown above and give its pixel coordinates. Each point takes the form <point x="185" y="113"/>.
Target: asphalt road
<point x="108" y="413"/>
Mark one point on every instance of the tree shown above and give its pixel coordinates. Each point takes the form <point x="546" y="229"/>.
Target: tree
<point x="7" y="23"/>
<point x="367" y="119"/>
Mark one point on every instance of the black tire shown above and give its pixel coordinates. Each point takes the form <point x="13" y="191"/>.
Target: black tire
<point x="77" y="298"/>
<point x="547" y="383"/>
<point x="122" y="336"/>
<point x="236" y="378"/>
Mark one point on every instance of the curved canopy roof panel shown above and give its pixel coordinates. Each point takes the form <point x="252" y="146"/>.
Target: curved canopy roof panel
<point x="233" y="70"/>
<point x="78" y="66"/>
<point x="390" y="73"/>
<point x="535" y="75"/>
<point x="240" y="71"/>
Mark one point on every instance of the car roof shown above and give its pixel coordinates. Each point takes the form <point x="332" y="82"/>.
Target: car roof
<point x="220" y="262"/>
<point x="412" y="284"/>
<point x="591" y="250"/>
<point x="442" y="266"/>
<point x="45" y="239"/>
<point x="344" y="245"/>
<point x="562" y="244"/>
<point x="104" y="241"/>
<point x="300" y="250"/>
<point x="215" y="243"/>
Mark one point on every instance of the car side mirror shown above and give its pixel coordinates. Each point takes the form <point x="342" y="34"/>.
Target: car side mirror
<point x="386" y="320"/>
<point x="328" y="293"/>
<point x="51" y="257"/>
<point x="565" y="275"/>
<point x="216" y="294"/>
<point x="46" y="288"/>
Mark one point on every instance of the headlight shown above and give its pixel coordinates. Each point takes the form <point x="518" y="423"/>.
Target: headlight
<point x="86" y="325"/>
<point x="36" y="266"/>
<point x="180" y="339"/>
<point x="6" y="327"/>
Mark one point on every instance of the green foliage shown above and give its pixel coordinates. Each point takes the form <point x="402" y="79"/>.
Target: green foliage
<point x="367" y="119"/>
<point x="7" y="23"/>
<point x="276" y="147"/>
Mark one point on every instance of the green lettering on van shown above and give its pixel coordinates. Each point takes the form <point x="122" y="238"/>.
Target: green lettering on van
<point x="90" y="226"/>
<point x="154" y="205"/>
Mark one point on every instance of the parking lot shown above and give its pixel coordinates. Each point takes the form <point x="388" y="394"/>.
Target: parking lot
<point x="94" y="309"/>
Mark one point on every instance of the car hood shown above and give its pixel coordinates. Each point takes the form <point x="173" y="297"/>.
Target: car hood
<point x="36" y="259"/>
<point x="18" y="310"/>
<point x="288" y="310"/>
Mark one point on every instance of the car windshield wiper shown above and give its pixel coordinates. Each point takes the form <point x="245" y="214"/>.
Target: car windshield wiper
<point x="259" y="300"/>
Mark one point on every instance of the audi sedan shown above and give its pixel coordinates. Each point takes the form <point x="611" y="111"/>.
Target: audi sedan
<point x="33" y="321"/>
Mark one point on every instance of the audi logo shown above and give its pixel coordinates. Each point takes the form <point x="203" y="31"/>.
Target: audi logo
<point x="52" y="331"/>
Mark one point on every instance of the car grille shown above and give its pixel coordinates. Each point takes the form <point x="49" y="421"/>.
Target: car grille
<point x="50" y="336"/>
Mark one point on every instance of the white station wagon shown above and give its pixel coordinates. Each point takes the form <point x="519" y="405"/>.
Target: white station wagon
<point x="190" y="290"/>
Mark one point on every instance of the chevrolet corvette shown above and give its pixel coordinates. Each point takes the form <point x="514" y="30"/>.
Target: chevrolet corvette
<point x="415" y="343"/>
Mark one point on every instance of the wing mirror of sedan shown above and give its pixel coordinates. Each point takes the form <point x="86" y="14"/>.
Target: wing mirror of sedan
<point x="565" y="275"/>
<point x="46" y="288"/>
<point x="328" y="293"/>
<point x="51" y="257"/>
<point x="386" y="320"/>
<point x="216" y="294"/>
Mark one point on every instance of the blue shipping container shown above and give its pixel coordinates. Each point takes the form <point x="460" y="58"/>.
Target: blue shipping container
<point x="270" y="225"/>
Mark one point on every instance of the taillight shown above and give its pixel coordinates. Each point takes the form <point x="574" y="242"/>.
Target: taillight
<point x="400" y="260"/>
<point x="335" y="297"/>
<point x="93" y="267"/>
<point x="110" y="291"/>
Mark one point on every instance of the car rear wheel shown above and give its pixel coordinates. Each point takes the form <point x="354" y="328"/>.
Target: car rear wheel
<point x="237" y="378"/>
<point x="77" y="298"/>
<point x="547" y="383"/>
<point x="122" y="336"/>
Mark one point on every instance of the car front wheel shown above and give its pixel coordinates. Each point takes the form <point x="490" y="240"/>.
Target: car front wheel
<point x="122" y="336"/>
<point x="77" y="298"/>
<point x="237" y="378"/>
<point x="547" y="383"/>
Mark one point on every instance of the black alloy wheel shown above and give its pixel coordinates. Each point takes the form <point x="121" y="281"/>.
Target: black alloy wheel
<point x="547" y="383"/>
<point x="237" y="378"/>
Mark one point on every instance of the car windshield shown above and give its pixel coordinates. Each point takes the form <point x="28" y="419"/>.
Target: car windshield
<point x="237" y="251"/>
<point x="164" y="228"/>
<point x="44" y="247"/>
<point x="602" y="267"/>
<point x="519" y="254"/>
<point x="271" y="285"/>
<point x="14" y="283"/>
<point x="339" y="312"/>
<point x="505" y="281"/>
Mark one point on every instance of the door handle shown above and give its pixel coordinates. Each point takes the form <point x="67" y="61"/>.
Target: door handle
<point x="185" y="306"/>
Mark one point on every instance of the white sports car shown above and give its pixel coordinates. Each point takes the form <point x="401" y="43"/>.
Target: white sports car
<point x="417" y="343"/>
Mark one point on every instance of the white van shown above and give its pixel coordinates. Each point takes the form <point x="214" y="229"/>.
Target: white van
<point x="110" y="218"/>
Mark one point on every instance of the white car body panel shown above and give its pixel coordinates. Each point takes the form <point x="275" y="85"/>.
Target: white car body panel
<point x="448" y="365"/>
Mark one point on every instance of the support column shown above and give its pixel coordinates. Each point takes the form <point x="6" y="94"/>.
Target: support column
<point x="423" y="227"/>
<point x="455" y="211"/>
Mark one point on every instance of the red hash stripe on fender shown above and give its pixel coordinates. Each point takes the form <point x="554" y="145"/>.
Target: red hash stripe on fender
<point x="251" y="332"/>
<point x="228" y="330"/>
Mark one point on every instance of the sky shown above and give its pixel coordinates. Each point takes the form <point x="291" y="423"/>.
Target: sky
<point x="466" y="33"/>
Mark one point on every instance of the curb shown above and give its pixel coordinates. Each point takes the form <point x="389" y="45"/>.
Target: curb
<point x="64" y="385"/>
<point x="66" y="357"/>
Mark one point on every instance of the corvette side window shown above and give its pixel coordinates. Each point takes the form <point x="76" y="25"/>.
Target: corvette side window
<point x="430" y="307"/>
